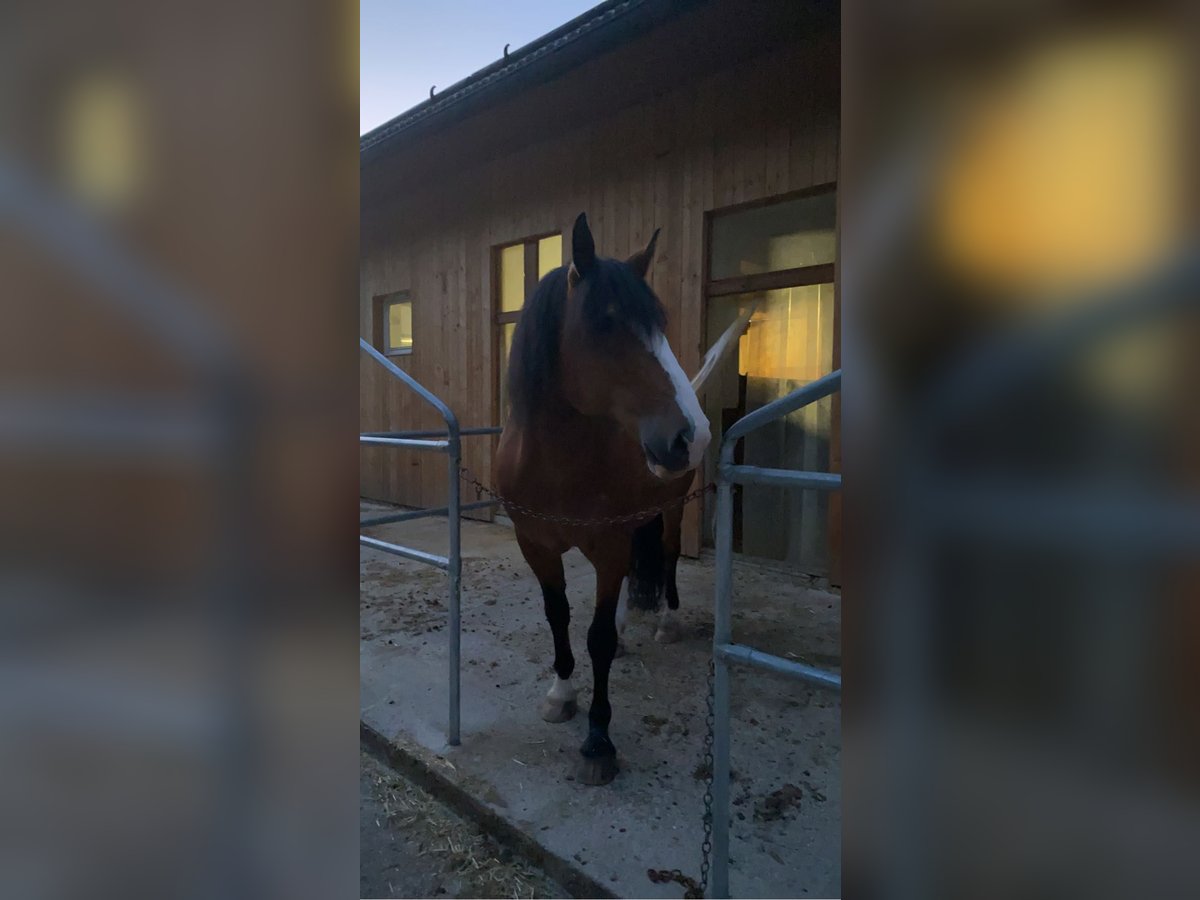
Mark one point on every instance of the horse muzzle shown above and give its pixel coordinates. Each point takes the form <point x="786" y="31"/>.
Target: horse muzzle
<point x="673" y="451"/>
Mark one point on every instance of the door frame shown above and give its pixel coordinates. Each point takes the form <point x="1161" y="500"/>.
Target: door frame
<point x="824" y="273"/>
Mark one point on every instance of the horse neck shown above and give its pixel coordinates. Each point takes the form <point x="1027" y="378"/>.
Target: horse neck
<point x="557" y="421"/>
<point x="556" y="429"/>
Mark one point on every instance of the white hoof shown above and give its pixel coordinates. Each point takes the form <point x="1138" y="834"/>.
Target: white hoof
<point x="554" y="712"/>
<point x="559" y="705"/>
<point x="668" y="629"/>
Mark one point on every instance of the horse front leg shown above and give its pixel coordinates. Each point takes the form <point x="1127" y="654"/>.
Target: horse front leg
<point x="559" y="705"/>
<point x="599" y="764"/>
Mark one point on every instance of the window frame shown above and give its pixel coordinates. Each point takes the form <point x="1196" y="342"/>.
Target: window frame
<point x="383" y="304"/>
<point x="801" y="276"/>
<point x="499" y="318"/>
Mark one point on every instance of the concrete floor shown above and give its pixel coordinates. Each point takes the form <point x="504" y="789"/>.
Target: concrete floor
<point x="786" y="740"/>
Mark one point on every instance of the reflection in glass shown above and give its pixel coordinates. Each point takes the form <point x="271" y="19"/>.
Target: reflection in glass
<point x="506" y="338"/>
<point x="549" y="254"/>
<point x="770" y="238"/>
<point x="512" y="278"/>
<point x="789" y="343"/>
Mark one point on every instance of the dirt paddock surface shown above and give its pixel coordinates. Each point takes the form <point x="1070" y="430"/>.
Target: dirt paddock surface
<point x="786" y="741"/>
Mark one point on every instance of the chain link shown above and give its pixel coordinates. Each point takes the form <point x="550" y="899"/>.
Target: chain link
<point x="693" y="889"/>
<point x="706" y="846"/>
<point x="512" y="505"/>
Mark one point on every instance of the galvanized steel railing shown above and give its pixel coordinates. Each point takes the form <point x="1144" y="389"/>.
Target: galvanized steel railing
<point x="448" y="442"/>
<point x="724" y="650"/>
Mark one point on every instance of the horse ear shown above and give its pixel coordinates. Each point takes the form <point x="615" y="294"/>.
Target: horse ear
<point x="583" y="247"/>
<point x="640" y="262"/>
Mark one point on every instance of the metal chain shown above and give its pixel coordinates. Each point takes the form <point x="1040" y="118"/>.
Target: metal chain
<point x="512" y="505"/>
<point x="694" y="890"/>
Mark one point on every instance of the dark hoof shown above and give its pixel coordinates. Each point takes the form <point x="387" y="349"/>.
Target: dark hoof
<point x="599" y="763"/>
<point x="621" y="651"/>
<point x="555" y="712"/>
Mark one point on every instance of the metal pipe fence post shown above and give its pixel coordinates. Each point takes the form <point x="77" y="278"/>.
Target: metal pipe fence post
<point x="454" y="577"/>
<point x="722" y="634"/>
<point x="453" y="560"/>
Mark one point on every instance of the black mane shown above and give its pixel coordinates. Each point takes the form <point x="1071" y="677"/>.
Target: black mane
<point x="533" y="359"/>
<point x="533" y="363"/>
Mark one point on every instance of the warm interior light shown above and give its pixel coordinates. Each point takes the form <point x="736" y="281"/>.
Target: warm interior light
<point x="400" y="330"/>
<point x="549" y="254"/>
<point x="103" y="141"/>
<point x="512" y="278"/>
<point x="1064" y="173"/>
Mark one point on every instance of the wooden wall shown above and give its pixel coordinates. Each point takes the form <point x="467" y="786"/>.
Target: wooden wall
<point x="761" y="127"/>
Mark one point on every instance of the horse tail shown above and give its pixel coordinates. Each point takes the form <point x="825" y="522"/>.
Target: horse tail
<point x="647" y="565"/>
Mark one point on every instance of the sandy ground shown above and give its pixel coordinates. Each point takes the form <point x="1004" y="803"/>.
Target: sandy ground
<point x="785" y="737"/>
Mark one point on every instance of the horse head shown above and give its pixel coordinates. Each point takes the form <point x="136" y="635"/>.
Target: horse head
<point x="616" y="362"/>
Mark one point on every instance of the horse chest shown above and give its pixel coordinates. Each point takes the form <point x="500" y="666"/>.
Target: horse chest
<point x="581" y="472"/>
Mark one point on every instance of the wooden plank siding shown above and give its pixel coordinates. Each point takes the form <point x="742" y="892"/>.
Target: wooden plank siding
<point x="760" y="127"/>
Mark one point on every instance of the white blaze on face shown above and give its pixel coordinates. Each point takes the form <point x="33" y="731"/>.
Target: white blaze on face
<point x="685" y="398"/>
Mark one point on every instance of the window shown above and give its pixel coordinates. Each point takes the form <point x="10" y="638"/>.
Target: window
<point x="394" y="323"/>
<point x="791" y="242"/>
<point x="104" y="140"/>
<point x="519" y="267"/>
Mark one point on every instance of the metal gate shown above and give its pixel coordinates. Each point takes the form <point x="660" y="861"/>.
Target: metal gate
<point x="1133" y="521"/>
<point x="724" y="650"/>
<point x="450" y="443"/>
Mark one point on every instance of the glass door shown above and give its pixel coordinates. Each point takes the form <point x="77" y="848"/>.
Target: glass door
<point x="778" y="259"/>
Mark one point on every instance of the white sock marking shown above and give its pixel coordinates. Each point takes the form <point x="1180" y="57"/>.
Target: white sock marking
<point x="562" y="690"/>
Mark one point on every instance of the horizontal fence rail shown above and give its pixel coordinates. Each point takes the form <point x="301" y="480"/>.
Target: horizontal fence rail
<point x="463" y="432"/>
<point x="411" y="514"/>
<point x="819" y="481"/>
<point x="415" y="443"/>
<point x="432" y="559"/>
<point x="769" y="662"/>
<point x="449" y="442"/>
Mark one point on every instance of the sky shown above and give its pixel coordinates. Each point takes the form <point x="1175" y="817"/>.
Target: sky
<point x="407" y="45"/>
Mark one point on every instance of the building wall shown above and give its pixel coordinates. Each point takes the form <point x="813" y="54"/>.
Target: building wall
<point x="758" y="128"/>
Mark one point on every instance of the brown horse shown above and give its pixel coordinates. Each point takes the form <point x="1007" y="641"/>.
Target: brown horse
<point x="604" y="424"/>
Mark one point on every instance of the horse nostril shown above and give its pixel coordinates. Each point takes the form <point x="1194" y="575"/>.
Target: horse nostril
<point x="671" y="453"/>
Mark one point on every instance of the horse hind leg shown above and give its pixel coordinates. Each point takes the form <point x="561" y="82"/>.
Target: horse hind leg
<point x="669" y="630"/>
<point x="622" y="615"/>
<point x="644" y="585"/>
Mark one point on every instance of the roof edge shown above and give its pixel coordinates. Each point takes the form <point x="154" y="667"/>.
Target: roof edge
<point x="587" y="23"/>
